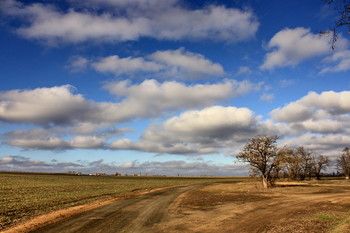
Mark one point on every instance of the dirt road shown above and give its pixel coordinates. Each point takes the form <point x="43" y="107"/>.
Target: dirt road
<point x="137" y="214"/>
<point x="226" y="207"/>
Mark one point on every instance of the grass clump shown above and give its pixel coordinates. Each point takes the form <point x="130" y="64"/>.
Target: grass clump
<point x="325" y="217"/>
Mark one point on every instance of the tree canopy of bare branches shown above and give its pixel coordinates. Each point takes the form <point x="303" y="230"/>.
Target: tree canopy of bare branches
<point x="343" y="8"/>
<point x="269" y="161"/>
<point x="261" y="152"/>
<point x="343" y="162"/>
<point x="319" y="163"/>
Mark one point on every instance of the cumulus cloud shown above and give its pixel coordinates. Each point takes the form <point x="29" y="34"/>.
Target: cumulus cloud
<point x="151" y="96"/>
<point x="211" y="130"/>
<point x="306" y="107"/>
<point x="77" y="63"/>
<point x="71" y="121"/>
<point x="60" y="106"/>
<point x="178" y="64"/>
<point x="294" y="111"/>
<point x="292" y="46"/>
<point x="330" y="101"/>
<point x="191" y="63"/>
<point x="55" y="143"/>
<point x="321" y="126"/>
<point x="25" y="163"/>
<point x="338" y="62"/>
<point x="215" y="121"/>
<point x="134" y="5"/>
<point x="103" y="129"/>
<point x="56" y="105"/>
<point x="329" y="144"/>
<point x="51" y="139"/>
<point x="174" y="147"/>
<point x="87" y="142"/>
<point x="205" y="131"/>
<point x="125" y="21"/>
<point x="117" y="65"/>
<point x="327" y="112"/>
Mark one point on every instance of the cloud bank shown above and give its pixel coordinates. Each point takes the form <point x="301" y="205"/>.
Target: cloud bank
<point x="172" y="168"/>
<point x="128" y="21"/>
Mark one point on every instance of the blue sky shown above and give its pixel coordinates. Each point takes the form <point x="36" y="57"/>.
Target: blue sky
<point x="167" y="87"/>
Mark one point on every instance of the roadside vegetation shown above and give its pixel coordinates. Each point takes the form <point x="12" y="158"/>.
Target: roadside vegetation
<point x="24" y="195"/>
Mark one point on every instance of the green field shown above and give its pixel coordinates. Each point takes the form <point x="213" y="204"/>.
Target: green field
<point x="24" y="195"/>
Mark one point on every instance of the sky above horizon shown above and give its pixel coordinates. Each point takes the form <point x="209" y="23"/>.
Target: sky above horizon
<point x="167" y="87"/>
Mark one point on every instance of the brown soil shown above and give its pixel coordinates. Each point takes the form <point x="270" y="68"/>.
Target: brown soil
<point x="247" y="208"/>
<point x="56" y="216"/>
<point x="226" y="207"/>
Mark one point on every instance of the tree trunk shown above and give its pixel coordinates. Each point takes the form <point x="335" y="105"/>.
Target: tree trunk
<point x="318" y="176"/>
<point x="266" y="182"/>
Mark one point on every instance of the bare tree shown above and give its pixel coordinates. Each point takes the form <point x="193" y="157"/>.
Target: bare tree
<point x="319" y="163"/>
<point x="292" y="164"/>
<point x="343" y="162"/>
<point x="298" y="163"/>
<point x="262" y="154"/>
<point x="343" y="8"/>
<point x="306" y="162"/>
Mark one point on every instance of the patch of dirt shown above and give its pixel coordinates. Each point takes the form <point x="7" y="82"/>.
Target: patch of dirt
<point x="204" y="200"/>
<point x="248" y="208"/>
<point x="56" y="216"/>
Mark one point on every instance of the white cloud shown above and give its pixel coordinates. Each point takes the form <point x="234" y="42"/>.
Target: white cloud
<point x="117" y="65"/>
<point x="178" y="64"/>
<point x="87" y="142"/>
<point x="327" y="112"/>
<point x="65" y="114"/>
<point x="51" y="139"/>
<point x="171" y="168"/>
<point x="321" y="126"/>
<point x="125" y="22"/>
<point x="330" y="101"/>
<point x="56" y="105"/>
<point x="151" y="97"/>
<point x="134" y="5"/>
<point x="207" y="131"/>
<point x="160" y="147"/>
<point x="60" y="106"/>
<point x="41" y="144"/>
<point x="213" y="121"/>
<point x="292" y="112"/>
<point x="267" y="97"/>
<point x="342" y="58"/>
<point x="189" y="62"/>
<point x="334" y="103"/>
<point x="292" y="46"/>
<point x="128" y="165"/>
<point x="77" y="64"/>
<point x="329" y="144"/>
<point x="215" y="129"/>
<point x="244" y="70"/>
